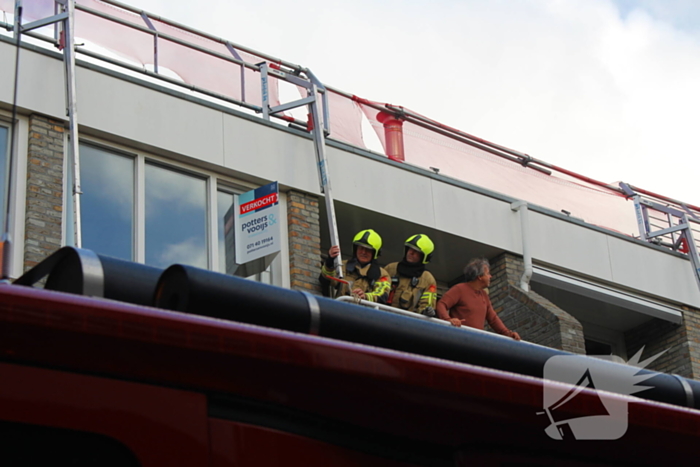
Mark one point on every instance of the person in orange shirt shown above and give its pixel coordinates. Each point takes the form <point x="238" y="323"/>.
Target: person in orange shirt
<point x="468" y="304"/>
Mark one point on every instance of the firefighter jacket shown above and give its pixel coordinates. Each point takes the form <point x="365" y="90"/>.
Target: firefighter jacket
<point x="372" y="279"/>
<point x="411" y="293"/>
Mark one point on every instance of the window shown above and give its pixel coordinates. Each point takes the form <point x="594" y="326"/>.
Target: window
<point x="594" y="347"/>
<point x="175" y="203"/>
<point x="4" y="171"/>
<point x="141" y="209"/>
<point x="107" y="202"/>
<point x="176" y="218"/>
<point x="600" y="340"/>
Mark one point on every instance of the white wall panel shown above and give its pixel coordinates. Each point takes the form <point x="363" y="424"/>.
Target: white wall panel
<point x="262" y="151"/>
<point x="653" y="272"/>
<point x="570" y="246"/>
<point x="41" y="83"/>
<point x="380" y="187"/>
<point x="475" y="216"/>
<point x="150" y="117"/>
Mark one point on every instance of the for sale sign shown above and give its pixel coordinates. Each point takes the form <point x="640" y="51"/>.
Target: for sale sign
<point x="256" y="223"/>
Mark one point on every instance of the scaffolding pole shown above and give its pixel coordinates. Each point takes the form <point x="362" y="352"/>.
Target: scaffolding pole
<point x="72" y="111"/>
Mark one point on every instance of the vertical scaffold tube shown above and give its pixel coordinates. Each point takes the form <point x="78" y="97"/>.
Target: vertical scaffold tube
<point x="72" y="108"/>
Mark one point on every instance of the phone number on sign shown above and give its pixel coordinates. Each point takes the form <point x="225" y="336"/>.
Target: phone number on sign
<point x="259" y="243"/>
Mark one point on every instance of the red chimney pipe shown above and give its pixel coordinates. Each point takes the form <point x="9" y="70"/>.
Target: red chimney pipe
<point x="393" y="135"/>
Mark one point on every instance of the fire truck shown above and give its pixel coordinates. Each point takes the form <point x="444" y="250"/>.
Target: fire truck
<point x="114" y="363"/>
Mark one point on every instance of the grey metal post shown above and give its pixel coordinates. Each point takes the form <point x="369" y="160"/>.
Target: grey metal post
<point x="69" y="62"/>
<point x="324" y="99"/>
<point x="237" y="56"/>
<point x="18" y="19"/>
<point x="265" y="90"/>
<point x="150" y="25"/>
<point x="642" y="220"/>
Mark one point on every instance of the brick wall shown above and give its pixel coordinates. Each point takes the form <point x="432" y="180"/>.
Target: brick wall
<point x="44" y="213"/>
<point x="304" y="242"/>
<point x="534" y="317"/>
<point x="692" y="320"/>
<point x="680" y="341"/>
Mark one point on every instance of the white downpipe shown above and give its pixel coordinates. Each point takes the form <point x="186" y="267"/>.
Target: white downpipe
<point x="522" y="209"/>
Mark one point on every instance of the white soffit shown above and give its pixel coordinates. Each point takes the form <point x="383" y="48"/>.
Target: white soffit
<point x="607" y="295"/>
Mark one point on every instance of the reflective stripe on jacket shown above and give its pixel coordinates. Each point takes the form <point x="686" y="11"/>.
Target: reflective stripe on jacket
<point x="408" y="297"/>
<point x="375" y="291"/>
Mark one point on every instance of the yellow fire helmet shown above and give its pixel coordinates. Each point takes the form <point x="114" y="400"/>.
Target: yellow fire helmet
<point x="368" y="239"/>
<point x="423" y="244"/>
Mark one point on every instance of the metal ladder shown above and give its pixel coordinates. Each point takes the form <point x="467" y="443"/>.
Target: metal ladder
<point x="318" y="126"/>
<point x="675" y="227"/>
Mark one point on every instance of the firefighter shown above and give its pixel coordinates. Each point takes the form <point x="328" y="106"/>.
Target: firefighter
<point x="366" y="279"/>
<point x="413" y="288"/>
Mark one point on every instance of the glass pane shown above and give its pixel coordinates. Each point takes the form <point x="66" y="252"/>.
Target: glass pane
<point x="107" y="202"/>
<point x="69" y="220"/>
<point x="225" y="225"/>
<point x="597" y="348"/>
<point x="176" y="218"/>
<point x="4" y="168"/>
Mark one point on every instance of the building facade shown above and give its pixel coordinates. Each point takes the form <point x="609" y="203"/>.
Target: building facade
<point x="161" y="166"/>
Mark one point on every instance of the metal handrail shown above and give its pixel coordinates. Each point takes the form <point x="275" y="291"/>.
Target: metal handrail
<point x="411" y="314"/>
<point x="168" y="37"/>
<point x="289" y="67"/>
<point x="270" y="58"/>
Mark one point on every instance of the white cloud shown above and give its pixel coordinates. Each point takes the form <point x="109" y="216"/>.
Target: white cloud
<point x="110" y="178"/>
<point x="176" y="189"/>
<point x="189" y="251"/>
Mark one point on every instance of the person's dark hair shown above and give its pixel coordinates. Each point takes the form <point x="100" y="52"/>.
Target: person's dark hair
<point x="475" y="267"/>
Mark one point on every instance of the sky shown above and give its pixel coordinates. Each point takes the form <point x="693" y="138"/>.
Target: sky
<point x="609" y="89"/>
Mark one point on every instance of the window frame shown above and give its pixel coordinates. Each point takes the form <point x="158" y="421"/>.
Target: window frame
<point x="5" y="173"/>
<point x="18" y="190"/>
<point x="187" y="171"/>
<point x="233" y="190"/>
<point x="68" y="200"/>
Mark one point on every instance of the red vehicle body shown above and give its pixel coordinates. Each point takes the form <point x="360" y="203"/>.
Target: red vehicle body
<point x="87" y="381"/>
